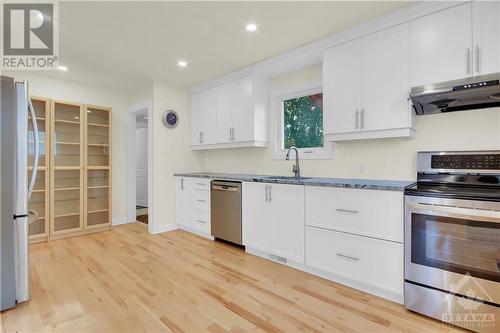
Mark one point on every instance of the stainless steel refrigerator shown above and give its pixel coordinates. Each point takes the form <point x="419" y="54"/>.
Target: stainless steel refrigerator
<point x="15" y="190"/>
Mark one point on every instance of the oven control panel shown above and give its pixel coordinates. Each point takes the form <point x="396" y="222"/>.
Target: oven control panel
<point x="464" y="161"/>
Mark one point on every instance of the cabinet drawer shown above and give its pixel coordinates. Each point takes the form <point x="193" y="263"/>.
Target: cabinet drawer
<point x="370" y="261"/>
<point x="201" y="184"/>
<point x="364" y="212"/>
<point x="201" y="221"/>
<point x="202" y="200"/>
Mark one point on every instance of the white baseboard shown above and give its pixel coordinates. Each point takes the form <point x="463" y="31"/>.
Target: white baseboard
<point x="120" y="220"/>
<point x="164" y="228"/>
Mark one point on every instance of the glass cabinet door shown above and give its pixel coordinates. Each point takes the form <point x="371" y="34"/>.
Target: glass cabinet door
<point x="66" y="138"/>
<point x="38" y="205"/>
<point x="98" y="134"/>
<point x="67" y="201"/>
<point x="98" y="198"/>
<point x="98" y="162"/>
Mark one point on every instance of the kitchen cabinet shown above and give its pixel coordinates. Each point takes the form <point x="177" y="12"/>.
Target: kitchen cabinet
<point x="204" y="117"/>
<point x="352" y="233"/>
<point x="184" y="202"/>
<point x="456" y="43"/>
<point x="373" y="264"/>
<point x="192" y="205"/>
<point x="366" y="86"/>
<point x="441" y="46"/>
<point x="273" y="219"/>
<point x="486" y="37"/>
<point x="232" y="114"/>
<point x="40" y="199"/>
<point x="369" y="213"/>
<point x="256" y="211"/>
<point x="342" y="88"/>
<point x="287" y="227"/>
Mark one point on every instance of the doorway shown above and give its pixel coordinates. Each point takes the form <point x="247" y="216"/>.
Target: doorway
<point x="140" y="165"/>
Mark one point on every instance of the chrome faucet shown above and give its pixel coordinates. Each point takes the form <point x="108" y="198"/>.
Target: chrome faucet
<point x="296" y="166"/>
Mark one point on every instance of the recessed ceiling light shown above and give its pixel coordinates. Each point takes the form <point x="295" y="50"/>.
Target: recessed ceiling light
<point x="62" y="68"/>
<point x="251" y="27"/>
<point x="182" y="63"/>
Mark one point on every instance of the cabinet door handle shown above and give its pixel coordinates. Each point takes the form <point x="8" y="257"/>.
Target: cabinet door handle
<point x="362" y="119"/>
<point x="478" y="55"/>
<point x="467" y="60"/>
<point x="201" y="221"/>
<point x="347" y="211"/>
<point x="199" y="200"/>
<point x="200" y="184"/>
<point x="270" y="193"/>
<point x="182" y="183"/>
<point x="345" y="256"/>
<point x="267" y="195"/>
<point x="202" y="137"/>
<point x="356" y="121"/>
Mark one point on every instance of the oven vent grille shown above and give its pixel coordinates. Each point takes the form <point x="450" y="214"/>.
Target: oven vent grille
<point x="278" y="258"/>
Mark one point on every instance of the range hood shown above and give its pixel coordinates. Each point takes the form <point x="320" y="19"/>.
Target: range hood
<point x="472" y="93"/>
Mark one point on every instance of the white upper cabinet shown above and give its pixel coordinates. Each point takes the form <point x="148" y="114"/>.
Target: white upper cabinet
<point x="486" y="37"/>
<point x="441" y="46"/>
<point x="232" y="114"/>
<point x="204" y="117"/>
<point x="366" y="86"/>
<point x="341" y="88"/>
<point x="235" y="111"/>
<point x="385" y="80"/>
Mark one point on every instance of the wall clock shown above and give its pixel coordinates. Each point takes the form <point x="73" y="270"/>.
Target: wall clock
<point x="170" y="118"/>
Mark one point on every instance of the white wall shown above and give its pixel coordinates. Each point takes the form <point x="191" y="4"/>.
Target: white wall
<point x="62" y="89"/>
<point x="171" y="152"/>
<point x="381" y="159"/>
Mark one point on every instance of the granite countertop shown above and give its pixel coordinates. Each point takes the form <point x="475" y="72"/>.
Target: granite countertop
<point x="370" y="184"/>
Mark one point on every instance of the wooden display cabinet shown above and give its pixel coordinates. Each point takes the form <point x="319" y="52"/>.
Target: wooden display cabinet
<point x="39" y="201"/>
<point x="98" y="168"/>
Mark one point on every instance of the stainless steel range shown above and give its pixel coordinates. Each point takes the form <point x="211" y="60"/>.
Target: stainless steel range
<point x="452" y="239"/>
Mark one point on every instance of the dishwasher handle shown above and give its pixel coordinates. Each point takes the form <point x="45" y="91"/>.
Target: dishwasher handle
<point x="226" y="186"/>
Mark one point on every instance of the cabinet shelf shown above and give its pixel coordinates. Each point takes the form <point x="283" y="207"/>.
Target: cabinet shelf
<point x="97" y="211"/>
<point x="67" y="121"/>
<point x="37" y="118"/>
<point x="67" y="214"/>
<point x="68" y="143"/>
<point x="67" y="189"/>
<point x="98" y="144"/>
<point x="97" y="125"/>
<point x="97" y="187"/>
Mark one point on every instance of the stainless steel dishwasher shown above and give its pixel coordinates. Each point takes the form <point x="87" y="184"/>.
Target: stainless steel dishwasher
<point x="226" y="211"/>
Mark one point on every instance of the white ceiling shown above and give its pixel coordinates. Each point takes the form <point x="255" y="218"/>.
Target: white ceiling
<point x="129" y="44"/>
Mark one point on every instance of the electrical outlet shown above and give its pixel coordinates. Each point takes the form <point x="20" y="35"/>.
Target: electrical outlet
<point x="361" y="168"/>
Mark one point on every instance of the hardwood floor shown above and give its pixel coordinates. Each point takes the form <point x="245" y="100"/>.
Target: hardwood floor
<point x="127" y="280"/>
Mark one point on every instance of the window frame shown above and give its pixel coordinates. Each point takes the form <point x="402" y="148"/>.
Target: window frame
<point x="278" y="97"/>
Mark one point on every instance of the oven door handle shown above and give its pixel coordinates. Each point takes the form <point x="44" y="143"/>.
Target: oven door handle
<point x="456" y="212"/>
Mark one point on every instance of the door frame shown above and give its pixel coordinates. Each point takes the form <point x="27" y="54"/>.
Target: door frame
<point x="131" y="170"/>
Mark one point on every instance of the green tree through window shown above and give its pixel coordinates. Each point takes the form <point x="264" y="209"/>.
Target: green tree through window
<point x="303" y="122"/>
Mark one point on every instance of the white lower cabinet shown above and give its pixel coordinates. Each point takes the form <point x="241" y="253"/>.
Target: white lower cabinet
<point x="374" y="264"/>
<point x="183" y="201"/>
<point x="193" y="205"/>
<point x="273" y="219"/>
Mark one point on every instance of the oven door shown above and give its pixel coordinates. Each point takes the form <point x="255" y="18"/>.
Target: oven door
<point x="454" y="246"/>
